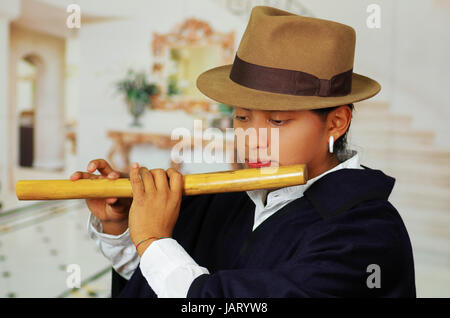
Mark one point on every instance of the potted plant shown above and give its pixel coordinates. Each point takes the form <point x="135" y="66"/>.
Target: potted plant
<point x="172" y="87"/>
<point x="138" y="93"/>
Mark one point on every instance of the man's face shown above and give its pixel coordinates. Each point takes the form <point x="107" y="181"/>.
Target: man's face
<point x="301" y="136"/>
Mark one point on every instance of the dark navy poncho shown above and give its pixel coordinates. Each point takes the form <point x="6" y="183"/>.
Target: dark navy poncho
<point x="319" y="245"/>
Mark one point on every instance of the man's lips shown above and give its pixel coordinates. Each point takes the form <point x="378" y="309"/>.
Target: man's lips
<point x="258" y="164"/>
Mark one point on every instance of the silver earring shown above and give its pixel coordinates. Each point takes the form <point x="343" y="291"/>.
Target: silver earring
<point x="330" y="144"/>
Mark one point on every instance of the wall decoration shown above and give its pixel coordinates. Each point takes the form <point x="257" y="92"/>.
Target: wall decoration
<point x="180" y="55"/>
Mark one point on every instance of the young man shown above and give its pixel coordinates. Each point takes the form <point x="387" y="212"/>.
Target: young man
<point x="322" y="239"/>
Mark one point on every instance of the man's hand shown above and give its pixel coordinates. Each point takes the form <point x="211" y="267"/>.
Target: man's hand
<point x="112" y="212"/>
<point x="156" y="203"/>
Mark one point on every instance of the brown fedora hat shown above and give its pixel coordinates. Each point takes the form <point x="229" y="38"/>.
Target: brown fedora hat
<point x="289" y="62"/>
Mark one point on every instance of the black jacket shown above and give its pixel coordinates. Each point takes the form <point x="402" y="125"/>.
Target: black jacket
<point x="341" y="239"/>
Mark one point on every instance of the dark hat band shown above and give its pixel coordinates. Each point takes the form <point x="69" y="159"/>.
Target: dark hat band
<point x="277" y="80"/>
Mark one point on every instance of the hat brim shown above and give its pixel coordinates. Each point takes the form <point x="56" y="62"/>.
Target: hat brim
<point x="217" y="85"/>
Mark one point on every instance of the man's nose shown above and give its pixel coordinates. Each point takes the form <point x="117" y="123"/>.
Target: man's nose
<point x="261" y="142"/>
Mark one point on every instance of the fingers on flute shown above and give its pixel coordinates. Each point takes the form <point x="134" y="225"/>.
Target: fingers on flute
<point x="103" y="167"/>
<point x="136" y="184"/>
<point x="161" y="183"/>
<point x="83" y="175"/>
<point x="175" y="181"/>
<point x="148" y="180"/>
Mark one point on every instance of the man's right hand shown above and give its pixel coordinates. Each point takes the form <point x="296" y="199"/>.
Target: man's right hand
<point x="112" y="212"/>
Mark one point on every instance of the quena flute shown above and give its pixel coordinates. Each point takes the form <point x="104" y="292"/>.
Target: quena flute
<point x="194" y="184"/>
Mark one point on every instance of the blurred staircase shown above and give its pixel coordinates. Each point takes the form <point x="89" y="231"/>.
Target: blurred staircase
<point x="388" y="142"/>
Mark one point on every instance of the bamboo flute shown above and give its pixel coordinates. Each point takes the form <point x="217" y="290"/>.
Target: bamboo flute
<point x="194" y="184"/>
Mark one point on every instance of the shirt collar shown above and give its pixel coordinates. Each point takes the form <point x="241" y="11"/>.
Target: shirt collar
<point x="351" y="161"/>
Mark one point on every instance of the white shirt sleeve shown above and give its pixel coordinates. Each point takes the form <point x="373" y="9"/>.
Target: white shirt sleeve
<point x="169" y="269"/>
<point x="119" y="249"/>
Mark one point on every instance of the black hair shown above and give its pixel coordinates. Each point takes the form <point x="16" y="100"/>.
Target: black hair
<point x="340" y="145"/>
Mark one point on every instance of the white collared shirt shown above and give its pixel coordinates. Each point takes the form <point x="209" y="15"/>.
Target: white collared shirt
<point x="166" y="266"/>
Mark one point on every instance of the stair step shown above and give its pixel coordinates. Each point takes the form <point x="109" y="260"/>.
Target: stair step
<point x="377" y="162"/>
<point x="367" y="136"/>
<point x="420" y="174"/>
<point x="420" y="178"/>
<point x="430" y="244"/>
<point x="432" y="280"/>
<point x="380" y="117"/>
<point x="416" y="214"/>
<point x="363" y="123"/>
<point x="417" y="172"/>
<point x="432" y="191"/>
<point x="424" y="257"/>
<point x="402" y="153"/>
<point x="392" y="142"/>
<point x="427" y="205"/>
<point x="426" y="235"/>
<point x="404" y="199"/>
<point x="432" y="276"/>
<point x="371" y="106"/>
<point x="422" y="234"/>
<point x="380" y="120"/>
<point x="430" y="221"/>
<point x="403" y="167"/>
<point x="393" y="131"/>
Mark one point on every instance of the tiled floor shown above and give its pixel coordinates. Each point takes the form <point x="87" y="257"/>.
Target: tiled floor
<point x="39" y="242"/>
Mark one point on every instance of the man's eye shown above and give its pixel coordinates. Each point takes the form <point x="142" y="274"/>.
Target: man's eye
<point x="278" y="122"/>
<point x="242" y="118"/>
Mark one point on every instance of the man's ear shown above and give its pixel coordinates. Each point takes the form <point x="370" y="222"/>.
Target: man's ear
<point x="338" y="121"/>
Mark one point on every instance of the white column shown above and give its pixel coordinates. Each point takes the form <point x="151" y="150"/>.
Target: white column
<point x="9" y="10"/>
<point x="49" y="117"/>
<point x="4" y="55"/>
<point x="72" y="95"/>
